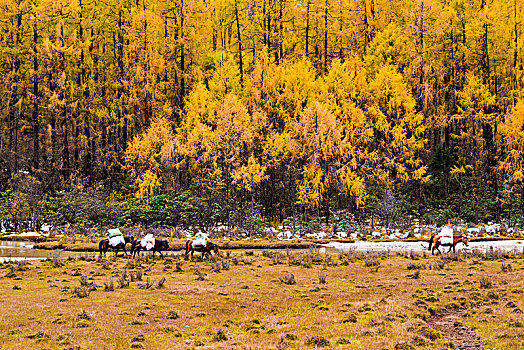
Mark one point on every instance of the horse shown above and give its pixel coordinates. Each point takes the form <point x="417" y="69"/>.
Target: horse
<point x="160" y="245"/>
<point x="208" y="249"/>
<point x="104" y="246"/>
<point x="456" y="240"/>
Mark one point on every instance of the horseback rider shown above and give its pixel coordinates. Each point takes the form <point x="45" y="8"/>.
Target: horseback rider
<point x="200" y="239"/>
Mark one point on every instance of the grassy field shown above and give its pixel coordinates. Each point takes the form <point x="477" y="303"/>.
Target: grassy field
<point x="260" y="300"/>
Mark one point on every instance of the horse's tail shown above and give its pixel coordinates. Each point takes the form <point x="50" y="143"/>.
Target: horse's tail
<point x="101" y="246"/>
<point x="189" y="248"/>
<point x="431" y="242"/>
<point x="133" y="246"/>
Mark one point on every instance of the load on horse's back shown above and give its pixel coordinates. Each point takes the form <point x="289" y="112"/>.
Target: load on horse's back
<point x="201" y="244"/>
<point x="446" y="235"/>
<point x="200" y="239"/>
<point x="115" y="237"/>
<point x="447" y="239"/>
<point x="115" y="240"/>
<point x="149" y="243"/>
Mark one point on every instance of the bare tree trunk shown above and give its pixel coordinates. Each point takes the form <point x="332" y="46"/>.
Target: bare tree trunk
<point x="182" y="55"/>
<point x="367" y="36"/>
<point x="14" y="106"/>
<point x="522" y="199"/>
<point x="120" y="62"/>
<point x="326" y="35"/>
<point x="268" y="26"/>
<point x="307" y="28"/>
<point x="485" y="51"/>
<point x="421" y="43"/>
<point x="89" y="148"/>
<point x="65" y="166"/>
<point x="281" y="30"/>
<point x="516" y="47"/>
<point x="240" y="63"/>
<point x="264" y="22"/>
<point x="372" y="10"/>
<point x="36" y="95"/>
<point x="251" y="14"/>
<point x="340" y="31"/>
<point x="292" y="186"/>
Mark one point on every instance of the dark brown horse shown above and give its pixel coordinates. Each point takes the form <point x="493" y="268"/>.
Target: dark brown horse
<point x="104" y="246"/>
<point x="207" y="249"/>
<point x="435" y="242"/>
<point x="160" y="245"/>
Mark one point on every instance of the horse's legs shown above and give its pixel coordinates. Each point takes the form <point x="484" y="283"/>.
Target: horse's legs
<point x="188" y="249"/>
<point x="431" y="242"/>
<point x="103" y="249"/>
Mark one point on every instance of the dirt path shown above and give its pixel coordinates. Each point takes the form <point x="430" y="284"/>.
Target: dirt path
<point x="461" y="337"/>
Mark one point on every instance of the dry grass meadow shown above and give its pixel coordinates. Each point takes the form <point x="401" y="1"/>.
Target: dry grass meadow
<point x="265" y="299"/>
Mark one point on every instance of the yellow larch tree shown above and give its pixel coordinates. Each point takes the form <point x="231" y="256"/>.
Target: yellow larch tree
<point x="326" y="158"/>
<point x="398" y="131"/>
<point x="346" y="88"/>
<point x="227" y="147"/>
<point x="474" y="122"/>
<point x="513" y="135"/>
<point x="146" y="155"/>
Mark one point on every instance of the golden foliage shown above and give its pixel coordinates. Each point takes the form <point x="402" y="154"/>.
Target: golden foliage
<point x="354" y="185"/>
<point x="310" y="188"/>
<point x="146" y="151"/>
<point x="513" y="131"/>
<point x="251" y="174"/>
<point x="147" y="184"/>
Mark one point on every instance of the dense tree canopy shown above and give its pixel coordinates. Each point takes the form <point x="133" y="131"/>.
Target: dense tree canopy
<point x="263" y="108"/>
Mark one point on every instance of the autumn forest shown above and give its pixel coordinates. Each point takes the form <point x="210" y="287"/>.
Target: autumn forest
<point x="256" y="112"/>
